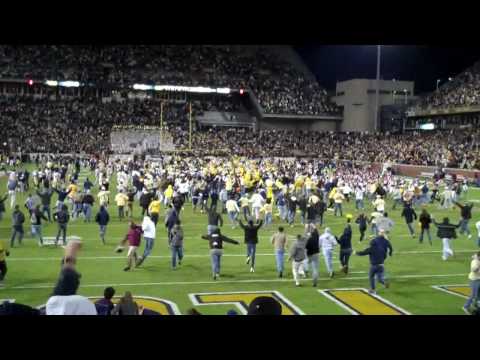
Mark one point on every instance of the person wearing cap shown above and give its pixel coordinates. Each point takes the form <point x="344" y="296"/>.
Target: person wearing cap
<point x="327" y="243"/>
<point x="215" y="242"/>
<point x="279" y="241"/>
<point x="474" y="277"/>
<point x="378" y="250"/>
<point x="466" y="214"/>
<point x="298" y="255"/>
<point x="446" y="232"/>
<point x="264" y="305"/>
<point x="251" y="239"/>
<point x="345" y="242"/>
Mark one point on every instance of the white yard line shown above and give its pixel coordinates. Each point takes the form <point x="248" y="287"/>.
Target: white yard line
<point x="174" y="283"/>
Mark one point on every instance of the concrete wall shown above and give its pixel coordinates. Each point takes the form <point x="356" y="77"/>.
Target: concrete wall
<point x="358" y="99"/>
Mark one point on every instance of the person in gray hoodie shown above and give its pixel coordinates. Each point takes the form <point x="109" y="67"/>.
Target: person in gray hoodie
<point x="298" y="254"/>
<point x="176" y="244"/>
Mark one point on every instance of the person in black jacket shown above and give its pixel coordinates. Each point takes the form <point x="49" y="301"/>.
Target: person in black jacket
<point x="362" y="222"/>
<point x="425" y="221"/>
<point x="87" y="205"/>
<point x="102" y="218"/>
<point x="446" y="232"/>
<point x="410" y="215"/>
<point x="216" y="240"/>
<point x="2" y="206"/>
<point x="302" y="205"/>
<point x="313" y="250"/>
<point x="36" y="220"/>
<point x="377" y="252"/>
<point x="62" y="217"/>
<point x="46" y="198"/>
<point x="345" y="242"/>
<point x="292" y="209"/>
<point x="466" y="214"/>
<point x="17" y="223"/>
<point x="251" y="239"/>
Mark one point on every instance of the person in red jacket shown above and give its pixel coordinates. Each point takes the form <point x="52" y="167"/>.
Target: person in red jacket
<point x="133" y="237"/>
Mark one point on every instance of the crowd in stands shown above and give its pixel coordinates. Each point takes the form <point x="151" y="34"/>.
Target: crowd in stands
<point x="463" y="90"/>
<point x="280" y="88"/>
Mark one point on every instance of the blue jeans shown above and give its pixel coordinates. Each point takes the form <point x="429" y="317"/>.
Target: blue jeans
<point x="313" y="260"/>
<point x="359" y="204"/>
<point x="37" y="230"/>
<point x="46" y="209"/>
<point x="377" y="271"/>
<point x="374" y="229"/>
<point x="232" y="215"/>
<point x="251" y="250"/>
<point x="268" y="218"/>
<point x="177" y="251"/>
<point x="410" y="228"/>
<point x="216" y="256"/>
<point x="279" y="254"/>
<point x="17" y="230"/>
<point x="103" y="230"/>
<point x="148" y="247"/>
<point x="338" y="207"/>
<point x="475" y="286"/>
<point x="428" y="233"/>
<point x="328" y="256"/>
<point x="464" y="227"/>
<point x="87" y="212"/>
<point x="291" y="216"/>
<point x="282" y="209"/>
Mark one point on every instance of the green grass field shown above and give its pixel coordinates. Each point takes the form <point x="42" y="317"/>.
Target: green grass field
<point x="413" y="269"/>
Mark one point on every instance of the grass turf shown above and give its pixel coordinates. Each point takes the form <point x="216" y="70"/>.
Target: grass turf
<point x="413" y="269"/>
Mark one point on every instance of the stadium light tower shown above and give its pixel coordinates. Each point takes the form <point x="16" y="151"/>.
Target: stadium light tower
<point x="377" y="90"/>
<point x="438" y="82"/>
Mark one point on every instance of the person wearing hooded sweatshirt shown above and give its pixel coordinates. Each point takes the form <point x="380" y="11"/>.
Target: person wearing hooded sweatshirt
<point x="466" y="214"/>
<point x="410" y="216"/>
<point x="313" y="250"/>
<point x="362" y="222"/>
<point x="46" y="198"/>
<point x="64" y="300"/>
<point x="102" y="218"/>
<point x="149" y="233"/>
<point x="144" y="201"/>
<point x="474" y="278"/>
<point x="251" y="239"/>
<point x="446" y="232"/>
<point x="17" y="224"/>
<point x="298" y="255"/>
<point x="327" y="243"/>
<point x="170" y="222"/>
<point x="62" y="217"/>
<point x="168" y="195"/>
<point x="216" y="240"/>
<point x="377" y="251"/>
<point x="36" y="221"/>
<point x="345" y="242"/>
<point x="176" y="244"/>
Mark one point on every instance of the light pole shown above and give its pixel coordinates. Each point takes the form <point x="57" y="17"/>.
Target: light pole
<point x="406" y="92"/>
<point x="438" y="82"/>
<point x="377" y="90"/>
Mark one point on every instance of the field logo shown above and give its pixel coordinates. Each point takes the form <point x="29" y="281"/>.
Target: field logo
<point x="361" y="302"/>
<point x="462" y="291"/>
<point x="242" y="299"/>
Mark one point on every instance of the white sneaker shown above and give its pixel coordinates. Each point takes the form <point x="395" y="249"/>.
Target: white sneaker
<point x="252" y="270"/>
<point x="469" y="236"/>
<point x="465" y="310"/>
<point x="444" y="258"/>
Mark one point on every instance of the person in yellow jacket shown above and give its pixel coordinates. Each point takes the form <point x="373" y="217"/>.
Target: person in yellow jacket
<point x="331" y="196"/>
<point x="168" y="195"/>
<point x="103" y="197"/>
<point x="154" y="209"/>
<point x="121" y="199"/>
<point x="4" y="252"/>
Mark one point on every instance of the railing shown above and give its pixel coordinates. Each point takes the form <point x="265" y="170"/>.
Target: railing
<point x="443" y="111"/>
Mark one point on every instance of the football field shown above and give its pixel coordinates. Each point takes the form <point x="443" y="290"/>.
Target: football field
<point x="421" y="282"/>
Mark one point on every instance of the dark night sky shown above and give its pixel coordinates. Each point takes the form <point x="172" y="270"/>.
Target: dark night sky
<point x="421" y="64"/>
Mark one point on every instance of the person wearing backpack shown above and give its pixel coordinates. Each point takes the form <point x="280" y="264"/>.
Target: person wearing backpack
<point x="36" y="221"/>
<point x="62" y="217"/>
<point x="17" y="223"/>
<point x="176" y="244"/>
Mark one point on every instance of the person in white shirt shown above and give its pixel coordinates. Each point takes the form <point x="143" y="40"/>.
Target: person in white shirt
<point x="474" y="278"/>
<point x="478" y="233"/>
<point x="149" y="233"/>
<point x="327" y="243"/>
<point x="359" y="195"/>
<point x="447" y="198"/>
<point x="379" y="204"/>
<point x="257" y="203"/>
<point x="232" y="211"/>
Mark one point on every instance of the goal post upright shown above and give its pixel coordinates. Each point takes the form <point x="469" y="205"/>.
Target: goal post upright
<point x="190" y="127"/>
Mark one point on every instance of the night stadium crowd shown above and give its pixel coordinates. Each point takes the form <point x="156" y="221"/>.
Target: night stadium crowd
<point x="280" y="88"/>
